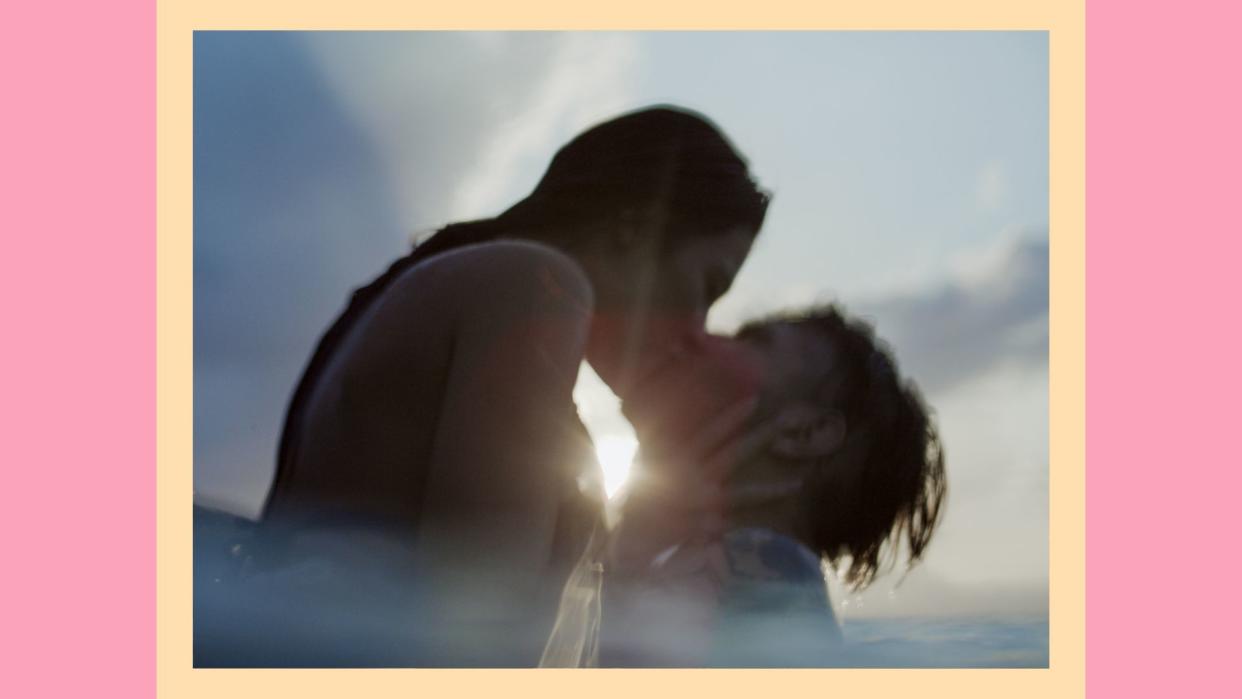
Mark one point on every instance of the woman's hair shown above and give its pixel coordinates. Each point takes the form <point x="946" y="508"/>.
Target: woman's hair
<point x="666" y="162"/>
<point x="886" y="484"/>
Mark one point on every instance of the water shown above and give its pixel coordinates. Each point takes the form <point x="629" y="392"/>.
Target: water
<point x="902" y="642"/>
<point x="951" y="642"/>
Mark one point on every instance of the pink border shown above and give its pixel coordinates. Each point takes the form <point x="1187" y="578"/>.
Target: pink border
<point x="1163" y="349"/>
<point x="77" y="157"/>
<point x="78" y="173"/>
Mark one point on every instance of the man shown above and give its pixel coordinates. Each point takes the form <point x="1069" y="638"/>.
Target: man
<point x="829" y="456"/>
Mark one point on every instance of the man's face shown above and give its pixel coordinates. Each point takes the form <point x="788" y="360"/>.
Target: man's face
<point x="798" y="363"/>
<point x="691" y="390"/>
<point x="782" y="364"/>
<point x="795" y="361"/>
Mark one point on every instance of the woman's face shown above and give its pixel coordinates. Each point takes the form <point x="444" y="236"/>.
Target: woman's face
<point x="649" y="303"/>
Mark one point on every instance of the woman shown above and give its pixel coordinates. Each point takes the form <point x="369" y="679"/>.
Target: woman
<point x="433" y="437"/>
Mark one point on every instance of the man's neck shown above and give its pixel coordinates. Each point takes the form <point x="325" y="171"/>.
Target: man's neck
<point x="780" y="517"/>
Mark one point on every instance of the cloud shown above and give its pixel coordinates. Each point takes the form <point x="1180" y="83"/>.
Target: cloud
<point x="464" y="122"/>
<point x="992" y="313"/>
<point x="584" y="84"/>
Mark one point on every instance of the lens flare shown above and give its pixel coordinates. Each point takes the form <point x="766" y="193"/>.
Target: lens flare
<point x="616" y="453"/>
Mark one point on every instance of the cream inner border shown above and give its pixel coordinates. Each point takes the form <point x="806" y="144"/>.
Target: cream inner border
<point x="1064" y="20"/>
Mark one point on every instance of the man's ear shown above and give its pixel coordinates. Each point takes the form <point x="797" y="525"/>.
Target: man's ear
<point x="806" y="432"/>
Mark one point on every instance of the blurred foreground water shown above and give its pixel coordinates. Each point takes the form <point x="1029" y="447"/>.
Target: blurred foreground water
<point x="263" y="624"/>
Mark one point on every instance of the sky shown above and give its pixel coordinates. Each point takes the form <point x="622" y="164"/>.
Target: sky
<point x="910" y="173"/>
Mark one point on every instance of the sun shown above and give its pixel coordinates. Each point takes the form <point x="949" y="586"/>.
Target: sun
<point x="615" y="453"/>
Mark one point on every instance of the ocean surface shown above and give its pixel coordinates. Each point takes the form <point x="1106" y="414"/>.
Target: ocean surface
<point x="876" y="642"/>
<point x="951" y="643"/>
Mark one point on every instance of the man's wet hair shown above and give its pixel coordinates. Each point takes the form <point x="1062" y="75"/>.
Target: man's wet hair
<point x="883" y="490"/>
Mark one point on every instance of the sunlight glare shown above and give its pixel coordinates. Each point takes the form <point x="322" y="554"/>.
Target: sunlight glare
<point x="616" y="453"/>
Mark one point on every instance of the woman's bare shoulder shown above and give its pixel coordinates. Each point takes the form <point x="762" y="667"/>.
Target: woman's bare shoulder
<point x="500" y="268"/>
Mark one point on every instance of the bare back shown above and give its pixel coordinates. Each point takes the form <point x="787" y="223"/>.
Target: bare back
<point x="445" y="416"/>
